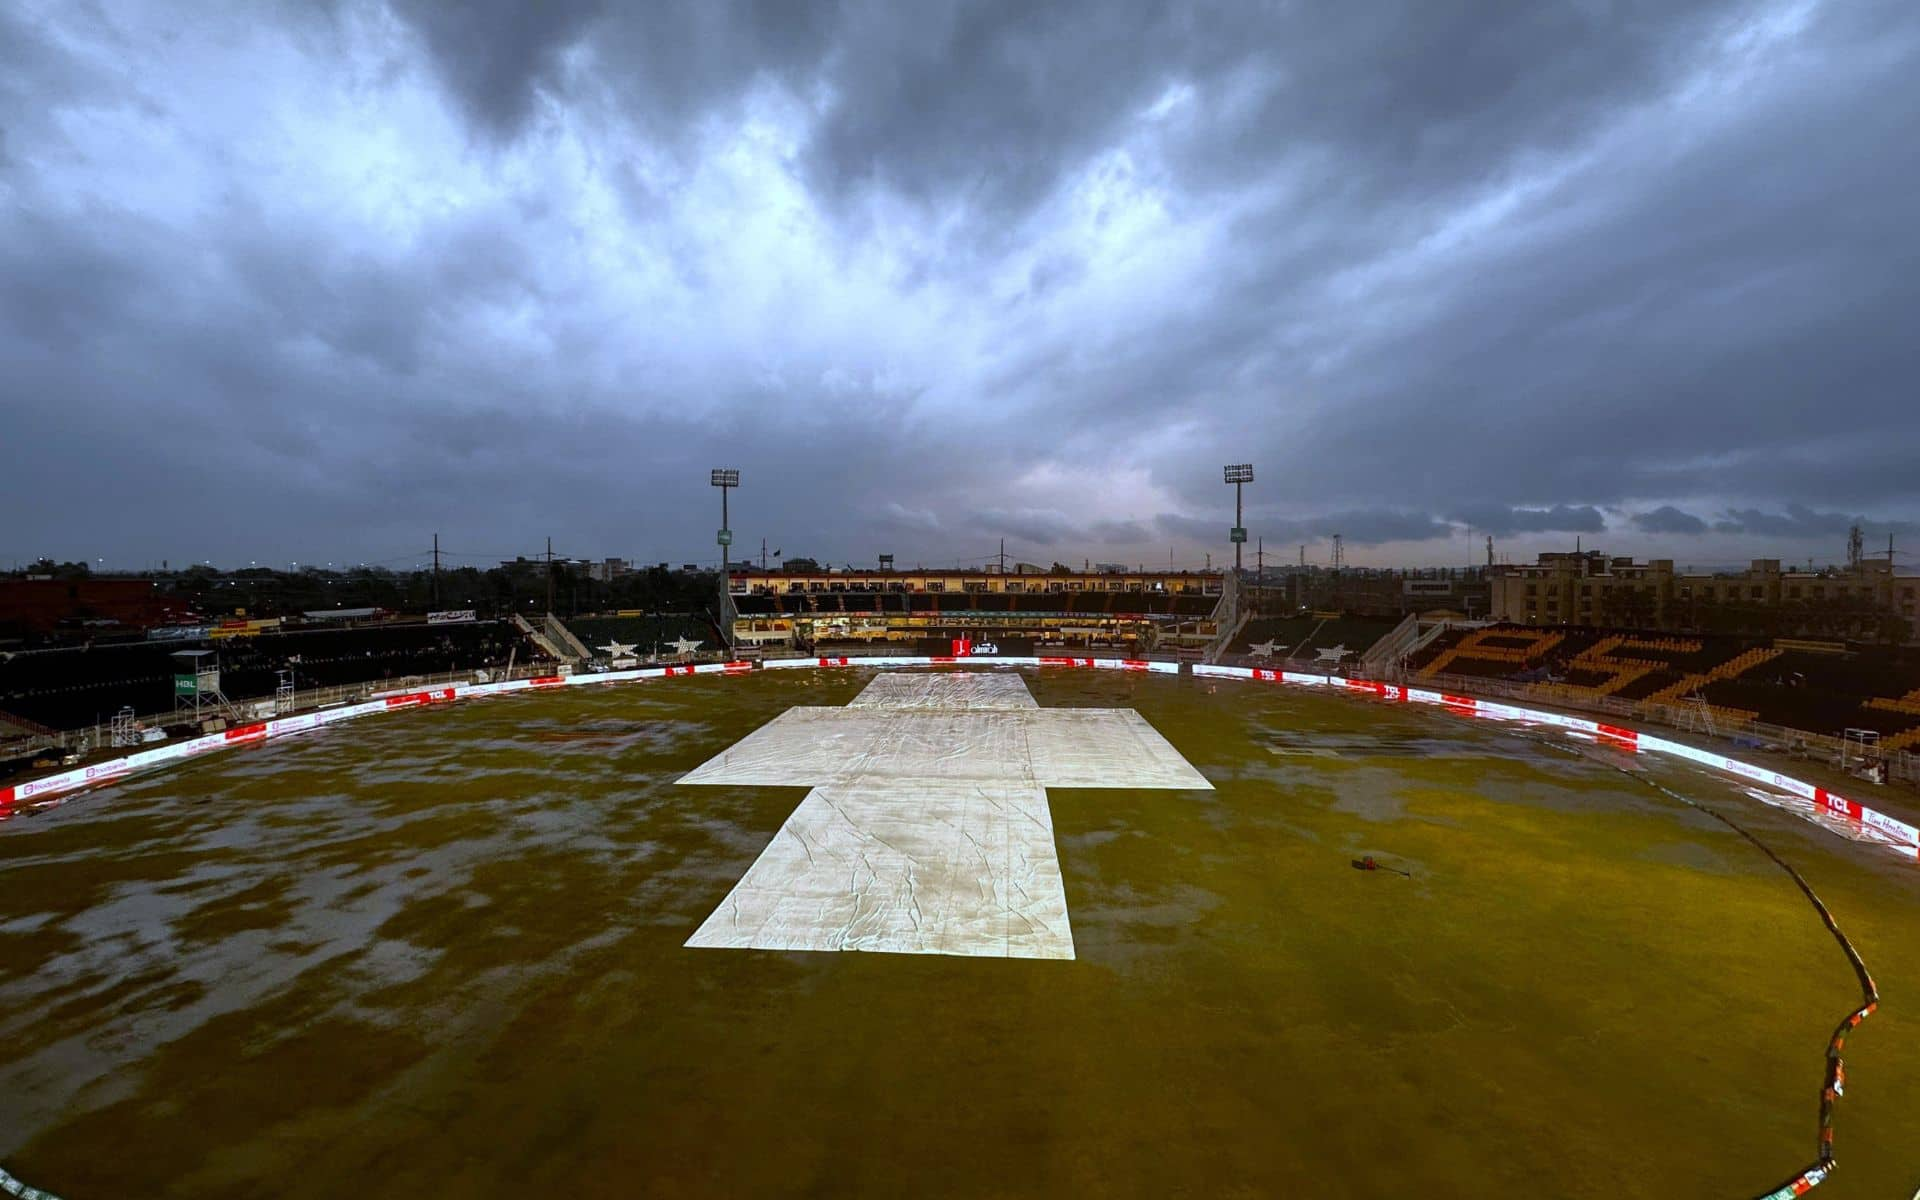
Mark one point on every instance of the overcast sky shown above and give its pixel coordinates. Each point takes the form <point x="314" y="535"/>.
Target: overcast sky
<point x="313" y="281"/>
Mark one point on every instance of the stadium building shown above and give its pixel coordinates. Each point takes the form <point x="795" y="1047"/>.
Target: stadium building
<point x="1592" y="588"/>
<point x="1020" y="613"/>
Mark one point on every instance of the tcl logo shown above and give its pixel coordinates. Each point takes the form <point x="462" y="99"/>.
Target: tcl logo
<point x="1839" y="806"/>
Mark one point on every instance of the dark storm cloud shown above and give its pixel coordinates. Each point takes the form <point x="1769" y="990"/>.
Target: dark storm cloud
<point x="1668" y="519"/>
<point x="991" y="101"/>
<point x="299" y="280"/>
<point x="1356" y="527"/>
<point x="1733" y="318"/>
<point x="499" y="55"/>
<point x="1801" y="522"/>
<point x="1365" y="527"/>
<point x="1032" y="527"/>
<point x="1121" y="533"/>
<point x="1561" y="518"/>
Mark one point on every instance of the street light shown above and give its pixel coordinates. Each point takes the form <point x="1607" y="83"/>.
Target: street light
<point x="725" y="478"/>
<point x="1238" y="474"/>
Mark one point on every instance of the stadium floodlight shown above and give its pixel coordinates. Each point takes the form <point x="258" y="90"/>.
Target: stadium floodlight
<point x="1238" y="474"/>
<point x="725" y="478"/>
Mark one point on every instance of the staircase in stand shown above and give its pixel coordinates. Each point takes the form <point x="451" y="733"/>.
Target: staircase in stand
<point x="540" y="639"/>
<point x="24" y="736"/>
<point x="562" y="636"/>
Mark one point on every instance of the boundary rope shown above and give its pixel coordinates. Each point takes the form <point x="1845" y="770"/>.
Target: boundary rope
<point x="1836" y="1075"/>
<point x="13" y="1187"/>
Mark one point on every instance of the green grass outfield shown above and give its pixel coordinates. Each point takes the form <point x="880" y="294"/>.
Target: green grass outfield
<point x="440" y="954"/>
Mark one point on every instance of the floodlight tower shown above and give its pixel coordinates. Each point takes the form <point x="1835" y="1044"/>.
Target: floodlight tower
<point x="725" y="478"/>
<point x="1239" y="475"/>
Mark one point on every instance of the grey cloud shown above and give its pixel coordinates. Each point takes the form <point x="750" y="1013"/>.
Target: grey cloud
<point x="662" y="66"/>
<point x="1181" y="526"/>
<point x="1801" y="522"/>
<point x="1668" y="519"/>
<point x="1121" y="533"/>
<point x="1368" y="527"/>
<point x="1052" y="271"/>
<point x="1424" y="266"/>
<point x="910" y="520"/>
<point x="1356" y="527"/>
<point x="1501" y="521"/>
<point x="1034" y="527"/>
<point x="993" y="103"/>
<point x="498" y="55"/>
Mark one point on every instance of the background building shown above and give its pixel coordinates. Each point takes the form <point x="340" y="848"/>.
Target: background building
<point x="1867" y="601"/>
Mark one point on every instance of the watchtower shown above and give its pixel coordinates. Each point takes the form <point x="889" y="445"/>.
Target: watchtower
<point x="196" y="684"/>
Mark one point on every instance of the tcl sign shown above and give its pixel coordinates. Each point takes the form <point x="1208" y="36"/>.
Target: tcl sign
<point x="1838" y="806"/>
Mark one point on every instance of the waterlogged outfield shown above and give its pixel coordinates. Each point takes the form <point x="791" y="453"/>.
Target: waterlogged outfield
<point x="439" y="953"/>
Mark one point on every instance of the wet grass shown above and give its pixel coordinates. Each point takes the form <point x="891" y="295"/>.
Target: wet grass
<point x="440" y="954"/>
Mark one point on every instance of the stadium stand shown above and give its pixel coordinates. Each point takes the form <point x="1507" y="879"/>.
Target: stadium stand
<point x="1812" y="690"/>
<point x="66" y="689"/>
<point x="1609" y="665"/>
<point x="648" y="634"/>
<point x="1306" y="636"/>
<point x="1799" y="685"/>
<point x="76" y="687"/>
<point x="1284" y="632"/>
<point x="1732" y="668"/>
<point x="1909" y="703"/>
<point x="1498" y="650"/>
<point x="1905" y="740"/>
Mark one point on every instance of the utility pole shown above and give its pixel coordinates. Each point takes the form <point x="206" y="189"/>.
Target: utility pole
<point x="1339" y="556"/>
<point x="1303" y="554"/>
<point x="1260" y="558"/>
<point x="1003" y="556"/>
<point x="549" y="576"/>
<point x="436" y="570"/>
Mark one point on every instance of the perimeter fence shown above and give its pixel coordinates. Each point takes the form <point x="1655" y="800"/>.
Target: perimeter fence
<point x="90" y="738"/>
<point x="1902" y="766"/>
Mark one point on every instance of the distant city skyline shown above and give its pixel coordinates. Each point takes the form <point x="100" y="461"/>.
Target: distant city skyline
<point x="1711" y="553"/>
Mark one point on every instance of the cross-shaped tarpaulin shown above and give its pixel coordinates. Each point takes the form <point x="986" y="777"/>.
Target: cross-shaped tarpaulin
<point x="927" y="830"/>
